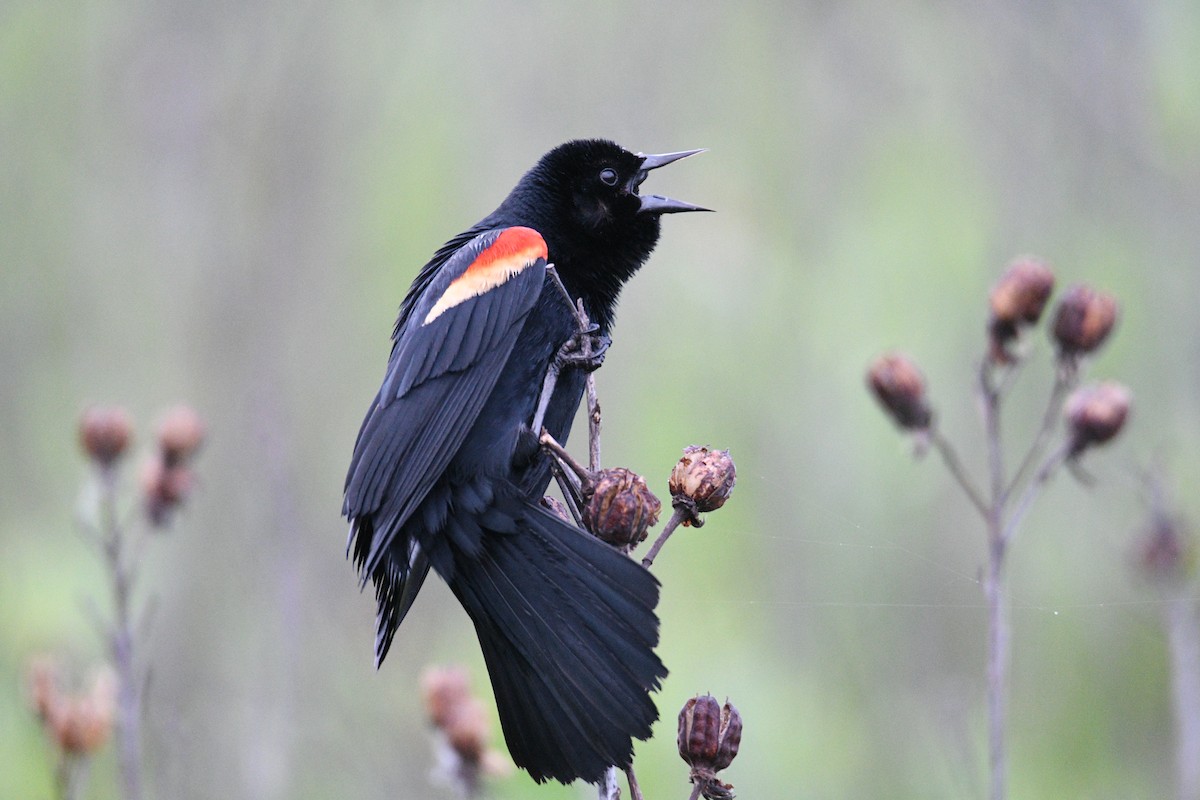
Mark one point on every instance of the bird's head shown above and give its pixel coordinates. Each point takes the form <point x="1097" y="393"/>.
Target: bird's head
<point x="597" y="185"/>
<point x="594" y="185"/>
<point x="584" y="198"/>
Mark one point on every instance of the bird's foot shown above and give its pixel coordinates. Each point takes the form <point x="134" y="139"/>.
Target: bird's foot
<point x="584" y="350"/>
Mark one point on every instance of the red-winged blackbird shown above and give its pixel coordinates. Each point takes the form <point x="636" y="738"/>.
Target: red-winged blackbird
<point x="447" y="472"/>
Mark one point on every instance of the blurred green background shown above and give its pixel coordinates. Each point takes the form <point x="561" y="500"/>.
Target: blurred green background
<point x="223" y="203"/>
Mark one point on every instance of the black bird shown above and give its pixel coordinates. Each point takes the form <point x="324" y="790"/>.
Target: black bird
<point x="447" y="474"/>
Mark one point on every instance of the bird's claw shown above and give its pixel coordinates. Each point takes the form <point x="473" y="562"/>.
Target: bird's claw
<point x="584" y="350"/>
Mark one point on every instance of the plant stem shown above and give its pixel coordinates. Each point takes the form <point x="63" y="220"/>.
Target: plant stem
<point x="593" y="424"/>
<point x="679" y="516"/>
<point x="1183" y="640"/>
<point x="635" y="791"/>
<point x="121" y="572"/>
<point x="991" y="421"/>
<point x="66" y="777"/>
<point x="999" y="633"/>
<point x="695" y="792"/>
<point x="1064" y="379"/>
<point x="550" y="443"/>
<point x="1052" y="462"/>
<point x="958" y="471"/>
<point x="608" y="788"/>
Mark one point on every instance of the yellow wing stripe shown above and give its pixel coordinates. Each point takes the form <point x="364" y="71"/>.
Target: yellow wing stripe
<point x="515" y="249"/>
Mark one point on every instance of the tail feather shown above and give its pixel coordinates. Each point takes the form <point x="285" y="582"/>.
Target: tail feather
<point x="397" y="577"/>
<point x="536" y="715"/>
<point x="567" y="628"/>
<point x="587" y="662"/>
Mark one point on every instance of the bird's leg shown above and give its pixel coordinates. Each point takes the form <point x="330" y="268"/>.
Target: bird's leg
<point x="548" y="384"/>
<point x="587" y="346"/>
<point x="576" y="481"/>
<point x="584" y="350"/>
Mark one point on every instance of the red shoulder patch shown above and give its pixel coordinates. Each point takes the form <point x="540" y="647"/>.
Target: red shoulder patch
<point x="514" y="250"/>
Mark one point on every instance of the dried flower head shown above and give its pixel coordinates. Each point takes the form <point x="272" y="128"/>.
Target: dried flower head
<point x="82" y="723"/>
<point x="1083" y="320"/>
<point x="621" y="508"/>
<point x="164" y="488"/>
<point x="703" y="478"/>
<point x="1017" y="299"/>
<point x="709" y="737"/>
<point x="443" y="688"/>
<point x="1095" y="414"/>
<point x="104" y="433"/>
<point x="180" y="433"/>
<point x="900" y="388"/>
<point x="1022" y="291"/>
<point x="463" y="730"/>
<point x="467" y="729"/>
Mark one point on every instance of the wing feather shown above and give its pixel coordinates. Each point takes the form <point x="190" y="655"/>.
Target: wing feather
<point x="452" y="341"/>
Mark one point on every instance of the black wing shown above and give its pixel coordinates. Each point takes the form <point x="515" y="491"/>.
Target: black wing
<point x="451" y="343"/>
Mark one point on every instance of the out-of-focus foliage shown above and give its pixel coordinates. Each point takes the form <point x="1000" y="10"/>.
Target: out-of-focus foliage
<point x="224" y="203"/>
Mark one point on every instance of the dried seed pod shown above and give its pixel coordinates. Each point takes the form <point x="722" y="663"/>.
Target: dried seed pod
<point x="1017" y="299"/>
<point x="1022" y="291"/>
<point x="180" y="433"/>
<point x="1095" y="414"/>
<point x="709" y="737"/>
<point x="900" y="388"/>
<point x="467" y="729"/>
<point x="1083" y="320"/>
<point x="463" y="730"/>
<point x="621" y="508"/>
<point x="702" y="477"/>
<point x="104" y="433"/>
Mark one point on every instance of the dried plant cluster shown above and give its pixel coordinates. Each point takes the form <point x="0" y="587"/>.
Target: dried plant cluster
<point x="1092" y="414"/>
<point x="80" y="723"/>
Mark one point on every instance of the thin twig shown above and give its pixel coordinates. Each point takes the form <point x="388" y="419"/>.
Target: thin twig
<point x="999" y="638"/>
<point x="593" y="402"/>
<point x="122" y="573"/>
<point x="991" y="420"/>
<point x="570" y="490"/>
<point x="1064" y="379"/>
<point x="999" y="634"/>
<point x="1052" y="462"/>
<point x="956" y="468"/>
<point x="678" y="517"/>
<point x="635" y="791"/>
<point x="695" y="795"/>
<point x="566" y="459"/>
<point x="593" y="424"/>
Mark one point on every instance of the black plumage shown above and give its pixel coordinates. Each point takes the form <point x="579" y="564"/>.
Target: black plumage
<point x="446" y="473"/>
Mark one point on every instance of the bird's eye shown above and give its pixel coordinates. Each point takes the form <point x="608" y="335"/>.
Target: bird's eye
<point x="609" y="176"/>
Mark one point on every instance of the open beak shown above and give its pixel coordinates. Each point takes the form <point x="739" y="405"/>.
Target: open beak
<point x="656" y="203"/>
